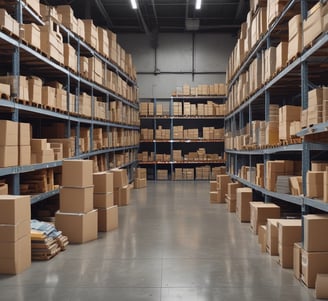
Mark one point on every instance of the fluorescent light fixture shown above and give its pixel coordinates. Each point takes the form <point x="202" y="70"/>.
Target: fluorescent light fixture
<point x="198" y="4"/>
<point x="134" y="4"/>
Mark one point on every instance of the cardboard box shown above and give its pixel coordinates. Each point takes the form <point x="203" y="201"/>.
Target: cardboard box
<point x="24" y="155"/>
<point x="103" y="200"/>
<point x="9" y="133"/>
<point x="12" y="233"/>
<point x="49" y="96"/>
<point x="35" y="90"/>
<point x="297" y="260"/>
<point x="8" y="156"/>
<point x="125" y="193"/>
<point x="31" y="34"/>
<point x="70" y="58"/>
<point x="24" y="130"/>
<point x="313" y="263"/>
<point x="315" y="230"/>
<point x="34" y="4"/>
<point x="321" y="286"/>
<point x="91" y="33"/>
<point x="77" y="173"/>
<point x="107" y="219"/>
<point x="314" y="184"/>
<point x="15" y="257"/>
<point x="272" y="236"/>
<point x="18" y="86"/>
<point x="262" y="237"/>
<point x="76" y="199"/>
<point x="244" y="197"/>
<point x="3" y="188"/>
<point x="313" y="25"/>
<point x="281" y="55"/>
<point x="140" y="183"/>
<point x="78" y="227"/>
<point x="260" y="212"/>
<point x="120" y="177"/>
<point x="68" y="18"/>
<point x="14" y="209"/>
<point x="103" y="182"/>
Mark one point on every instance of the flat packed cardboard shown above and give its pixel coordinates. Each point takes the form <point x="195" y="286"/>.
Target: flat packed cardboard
<point x="297" y="260"/>
<point x="103" y="200"/>
<point x="103" y="182"/>
<point x="15" y="257"/>
<point x="14" y="209"/>
<point x="79" y="228"/>
<point x="76" y="199"/>
<point x="313" y="263"/>
<point x="107" y="219"/>
<point x="12" y="233"/>
<point x="321" y="286"/>
<point x="77" y="173"/>
<point x="315" y="232"/>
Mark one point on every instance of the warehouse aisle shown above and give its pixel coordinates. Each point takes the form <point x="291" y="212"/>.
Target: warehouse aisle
<point x="172" y="244"/>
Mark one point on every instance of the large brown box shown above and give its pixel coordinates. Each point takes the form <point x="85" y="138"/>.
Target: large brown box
<point x="24" y="134"/>
<point x="91" y="33"/>
<point x="297" y="260"/>
<point x="70" y="58"/>
<point x="315" y="231"/>
<point x="77" y="173"/>
<point x="103" y="182"/>
<point x="314" y="184"/>
<point x="244" y="197"/>
<point x="24" y="155"/>
<point x="8" y="156"/>
<point x="289" y="232"/>
<point x="14" y="209"/>
<point x="107" y="219"/>
<point x="120" y="177"/>
<point x="260" y="212"/>
<point x="281" y="55"/>
<point x="272" y="236"/>
<point x="31" y="35"/>
<point x="76" y="199"/>
<point x="103" y="200"/>
<point x="68" y="18"/>
<point x="15" y="257"/>
<point x="313" y="263"/>
<point x="140" y="183"/>
<point x="9" y="133"/>
<point x="9" y="23"/>
<point x="313" y="25"/>
<point x="14" y="232"/>
<point x="79" y="228"/>
<point x="35" y="90"/>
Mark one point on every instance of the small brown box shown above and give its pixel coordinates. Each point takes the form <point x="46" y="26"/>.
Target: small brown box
<point x="107" y="219"/>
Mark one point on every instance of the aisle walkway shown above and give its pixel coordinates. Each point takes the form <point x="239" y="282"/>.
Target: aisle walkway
<point x="172" y="244"/>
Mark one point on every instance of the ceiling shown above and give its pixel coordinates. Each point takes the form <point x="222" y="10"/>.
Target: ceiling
<point x="154" y="16"/>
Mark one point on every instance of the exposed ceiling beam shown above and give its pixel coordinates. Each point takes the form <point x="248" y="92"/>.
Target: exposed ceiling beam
<point x="104" y="13"/>
<point x="154" y="11"/>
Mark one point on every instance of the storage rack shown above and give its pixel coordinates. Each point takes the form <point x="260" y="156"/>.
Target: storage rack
<point x="47" y="67"/>
<point x="169" y="119"/>
<point x="302" y="67"/>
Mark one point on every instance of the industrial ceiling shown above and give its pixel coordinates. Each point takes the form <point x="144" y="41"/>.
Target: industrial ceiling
<point x="154" y="16"/>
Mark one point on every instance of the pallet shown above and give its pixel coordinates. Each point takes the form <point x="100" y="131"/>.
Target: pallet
<point x="5" y="96"/>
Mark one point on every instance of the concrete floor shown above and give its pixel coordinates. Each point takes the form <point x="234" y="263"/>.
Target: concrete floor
<point x="172" y="244"/>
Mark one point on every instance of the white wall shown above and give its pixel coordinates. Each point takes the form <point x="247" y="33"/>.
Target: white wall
<point x="174" y="60"/>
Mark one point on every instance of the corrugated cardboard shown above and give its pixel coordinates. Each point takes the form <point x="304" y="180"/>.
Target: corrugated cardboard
<point x="77" y="173"/>
<point x="107" y="219"/>
<point x="15" y="257"/>
<point x="297" y="260"/>
<point x="315" y="231"/>
<point x="103" y="182"/>
<point x="14" y="209"/>
<point x="321" y="286"/>
<point x="103" y="200"/>
<point x="8" y="156"/>
<point x="12" y="233"/>
<point x="260" y="212"/>
<point x="79" y="228"/>
<point x="244" y="197"/>
<point x="9" y="133"/>
<point x="76" y="199"/>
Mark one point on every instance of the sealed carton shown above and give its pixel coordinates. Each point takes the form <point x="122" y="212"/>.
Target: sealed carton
<point x="77" y="173"/>
<point x="76" y="199"/>
<point x="107" y="219"/>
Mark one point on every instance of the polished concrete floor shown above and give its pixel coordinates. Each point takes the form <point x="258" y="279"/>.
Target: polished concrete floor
<point x="172" y="244"/>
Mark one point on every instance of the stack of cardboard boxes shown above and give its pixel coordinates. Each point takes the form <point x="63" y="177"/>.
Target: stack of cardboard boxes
<point x="8" y="143"/>
<point x="15" y="234"/>
<point x="219" y="188"/>
<point x="244" y="197"/>
<point x="162" y="174"/>
<point x="104" y="201"/>
<point x="121" y="187"/>
<point x="77" y="217"/>
<point x="231" y="196"/>
<point x="140" y="179"/>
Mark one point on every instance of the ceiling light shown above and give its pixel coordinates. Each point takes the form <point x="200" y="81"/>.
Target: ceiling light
<point x="198" y="4"/>
<point x="134" y="4"/>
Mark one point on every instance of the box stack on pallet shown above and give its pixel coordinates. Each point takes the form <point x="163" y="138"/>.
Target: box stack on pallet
<point x="77" y="218"/>
<point x="104" y="202"/>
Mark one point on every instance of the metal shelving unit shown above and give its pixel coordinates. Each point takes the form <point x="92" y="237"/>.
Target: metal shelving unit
<point x="169" y="119"/>
<point x="236" y="118"/>
<point x="17" y="109"/>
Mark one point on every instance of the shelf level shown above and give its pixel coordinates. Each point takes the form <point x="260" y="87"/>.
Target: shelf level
<point x="297" y="200"/>
<point x="182" y="117"/>
<point x="182" y="162"/>
<point x="273" y="150"/>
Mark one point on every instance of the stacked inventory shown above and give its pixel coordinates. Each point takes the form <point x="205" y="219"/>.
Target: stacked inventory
<point x="15" y="234"/>
<point x="80" y="83"/>
<point x="104" y="202"/>
<point x="77" y="218"/>
<point x="170" y="140"/>
<point x="140" y="179"/>
<point x="121" y="187"/>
